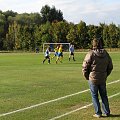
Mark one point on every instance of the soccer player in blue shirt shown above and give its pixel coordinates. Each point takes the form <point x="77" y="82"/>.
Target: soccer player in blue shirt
<point x="71" y="50"/>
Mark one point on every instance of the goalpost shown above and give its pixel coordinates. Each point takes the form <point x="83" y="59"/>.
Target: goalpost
<point x="66" y="46"/>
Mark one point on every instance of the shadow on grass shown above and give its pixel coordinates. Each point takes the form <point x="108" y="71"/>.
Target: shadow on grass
<point x="112" y="116"/>
<point x="74" y="63"/>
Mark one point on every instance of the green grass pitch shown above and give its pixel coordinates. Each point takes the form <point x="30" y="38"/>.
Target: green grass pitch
<point x="25" y="81"/>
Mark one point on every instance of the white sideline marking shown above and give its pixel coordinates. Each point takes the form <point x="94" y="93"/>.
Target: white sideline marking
<point x="54" y="100"/>
<point x="84" y="107"/>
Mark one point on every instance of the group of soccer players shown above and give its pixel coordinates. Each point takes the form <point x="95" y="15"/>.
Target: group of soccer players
<point x="58" y="53"/>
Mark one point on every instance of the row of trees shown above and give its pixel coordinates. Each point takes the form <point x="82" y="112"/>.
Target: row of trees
<point x="28" y="31"/>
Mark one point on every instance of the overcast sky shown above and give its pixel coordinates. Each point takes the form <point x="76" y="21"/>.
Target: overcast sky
<point x="89" y="11"/>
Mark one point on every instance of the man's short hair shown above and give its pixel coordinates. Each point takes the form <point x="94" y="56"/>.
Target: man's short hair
<point x="97" y="43"/>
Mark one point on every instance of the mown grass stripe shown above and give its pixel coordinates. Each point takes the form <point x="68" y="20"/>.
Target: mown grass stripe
<point x="50" y="101"/>
<point x="84" y="107"/>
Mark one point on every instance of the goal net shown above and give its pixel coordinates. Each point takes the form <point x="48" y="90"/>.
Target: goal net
<point x="52" y="46"/>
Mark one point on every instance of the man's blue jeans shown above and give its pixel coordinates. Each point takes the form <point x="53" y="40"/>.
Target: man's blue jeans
<point x="103" y="94"/>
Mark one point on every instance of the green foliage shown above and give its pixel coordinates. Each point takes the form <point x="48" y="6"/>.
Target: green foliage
<point x="28" y="31"/>
<point x="50" y="14"/>
<point x="2" y="31"/>
<point x="72" y="34"/>
<point x="82" y="40"/>
<point x="60" y="31"/>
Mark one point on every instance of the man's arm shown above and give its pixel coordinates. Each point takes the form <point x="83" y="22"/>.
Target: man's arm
<point x="86" y="66"/>
<point x="110" y="66"/>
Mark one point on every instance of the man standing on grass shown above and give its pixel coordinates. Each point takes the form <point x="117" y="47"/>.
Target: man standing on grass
<point x="56" y="52"/>
<point x="60" y="54"/>
<point x="71" y="50"/>
<point x="47" y="55"/>
<point x="97" y="65"/>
